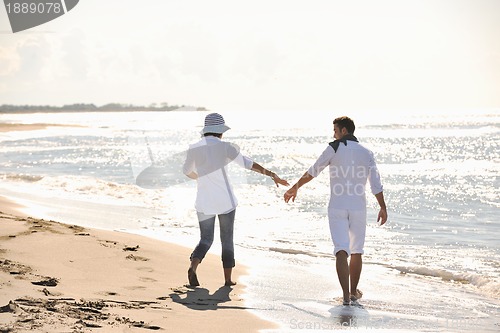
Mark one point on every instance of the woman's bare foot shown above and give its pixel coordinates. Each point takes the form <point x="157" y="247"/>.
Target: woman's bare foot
<point x="227" y="277"/>
<point x="354" y="297"/>
<point x="192" y="278"/>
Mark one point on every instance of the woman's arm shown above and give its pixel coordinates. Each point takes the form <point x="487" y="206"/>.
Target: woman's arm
<point x="260" y="169"/>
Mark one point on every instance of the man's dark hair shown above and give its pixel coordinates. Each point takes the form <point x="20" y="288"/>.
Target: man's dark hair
<point x="219" y="135"/>
<point x="345" y="122"/>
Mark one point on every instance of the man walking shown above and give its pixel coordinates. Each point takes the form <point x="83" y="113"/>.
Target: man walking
<point x="350" y="165"/>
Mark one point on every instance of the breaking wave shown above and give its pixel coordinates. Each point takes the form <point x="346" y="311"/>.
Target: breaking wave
<point x="484" y="284"/>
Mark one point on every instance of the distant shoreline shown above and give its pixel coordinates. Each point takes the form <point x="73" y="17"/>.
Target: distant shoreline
<point x="29" y="127"/>
<point x="111" y="107"/>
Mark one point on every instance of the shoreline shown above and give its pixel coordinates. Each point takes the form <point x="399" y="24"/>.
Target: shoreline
<point x="8" y="127"/>
<point x="56" y="276"/>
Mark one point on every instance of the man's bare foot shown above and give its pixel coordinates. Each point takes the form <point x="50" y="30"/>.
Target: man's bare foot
<point x="357" y="295"/>
<point x="229" y="283"/>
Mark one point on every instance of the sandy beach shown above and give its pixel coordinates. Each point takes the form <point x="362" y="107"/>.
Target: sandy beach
<point x="56" y="277"/>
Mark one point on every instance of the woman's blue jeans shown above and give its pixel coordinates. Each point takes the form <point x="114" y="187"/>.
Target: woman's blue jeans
<point x="207" y="226"/>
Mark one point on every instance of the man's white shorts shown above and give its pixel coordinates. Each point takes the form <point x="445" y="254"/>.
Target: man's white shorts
<point x="348" y="230"/>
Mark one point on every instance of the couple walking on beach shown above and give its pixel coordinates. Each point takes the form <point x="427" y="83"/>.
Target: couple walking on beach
<point x="351" y="165"/>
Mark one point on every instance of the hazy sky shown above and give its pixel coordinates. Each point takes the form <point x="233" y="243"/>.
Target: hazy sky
<point x="273" y="55"/>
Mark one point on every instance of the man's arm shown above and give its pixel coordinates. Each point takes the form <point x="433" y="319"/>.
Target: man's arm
<point x="321" y="163"/>
<point x="292" y="192"/>
<point x="382" y="214"/>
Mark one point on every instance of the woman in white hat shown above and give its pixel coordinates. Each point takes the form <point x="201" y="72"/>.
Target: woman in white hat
<point x="206" y="162"/>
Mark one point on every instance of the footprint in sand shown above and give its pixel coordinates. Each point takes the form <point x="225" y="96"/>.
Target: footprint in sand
<point x="107" y="243"/>
<point x="146" y="326"/>
<point x="110" y="293"/>
<point x="48" y="282"/>
<point x="135" y="288"/>
<point x="146" y="279"/>
<point x="136" y="258"/>
<point x="131" y="248"/>
<point x="146" y="269"/>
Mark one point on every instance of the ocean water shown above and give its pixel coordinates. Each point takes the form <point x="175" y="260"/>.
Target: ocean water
<point x="434" y="267"/>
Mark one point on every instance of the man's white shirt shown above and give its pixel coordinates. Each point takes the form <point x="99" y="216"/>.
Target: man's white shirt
<point x="350" y="167"/>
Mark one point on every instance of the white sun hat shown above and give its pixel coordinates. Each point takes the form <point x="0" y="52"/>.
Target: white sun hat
<point x="214" y="123"/>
